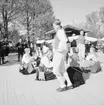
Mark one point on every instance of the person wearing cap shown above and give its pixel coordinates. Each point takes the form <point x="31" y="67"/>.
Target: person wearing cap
<point x="59" y="56"/>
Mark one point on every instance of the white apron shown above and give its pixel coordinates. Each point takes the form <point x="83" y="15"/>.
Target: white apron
<point x="59" y="52"/>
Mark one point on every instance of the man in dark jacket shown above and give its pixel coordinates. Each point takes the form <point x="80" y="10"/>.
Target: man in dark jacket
<point x="1" y="53"/>
<point x="20" y="47"/>
<point x="6" y="49"/>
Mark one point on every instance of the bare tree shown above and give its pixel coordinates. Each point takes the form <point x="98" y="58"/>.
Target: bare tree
<point x="37" y="15"/>
<point x="101" y="23"/>
<point x="9" y="10"/>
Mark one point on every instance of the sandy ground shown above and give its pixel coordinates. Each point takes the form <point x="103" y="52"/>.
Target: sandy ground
<point x="18" y="89"/>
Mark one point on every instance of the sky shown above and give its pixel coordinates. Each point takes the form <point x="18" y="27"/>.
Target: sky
<point x="69" y="11"/>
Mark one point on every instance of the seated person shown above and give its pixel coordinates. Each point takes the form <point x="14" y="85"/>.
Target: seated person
<point x="73" y="59"/>
<point x="92" y="55"/>
<point x="45" y="60"/>
<point x="91" y="63"/>
<point x="74" y="71"/>
<point x="36" y="60"/>
<point x="45" y="64"/>
<point x="39" y="52"/>
<point x="27" y="61"/>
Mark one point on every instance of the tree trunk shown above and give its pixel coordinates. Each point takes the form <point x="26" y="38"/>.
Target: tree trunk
<point x="6" y="24"/>
<point x="27" y="18"/>
<point x="27" y="22"/>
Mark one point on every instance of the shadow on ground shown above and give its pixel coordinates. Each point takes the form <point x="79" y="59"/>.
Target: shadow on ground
<point x="12" y="60"/>
<point x="10" y="63"/>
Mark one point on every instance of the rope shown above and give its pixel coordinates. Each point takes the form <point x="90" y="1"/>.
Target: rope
<point x="76" y="69"/>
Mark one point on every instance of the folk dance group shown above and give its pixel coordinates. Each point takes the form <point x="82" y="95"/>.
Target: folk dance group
<point x="66" y="63"/>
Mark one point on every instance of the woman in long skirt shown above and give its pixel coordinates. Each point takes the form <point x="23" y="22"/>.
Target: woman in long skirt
<point x="59" y="56"/>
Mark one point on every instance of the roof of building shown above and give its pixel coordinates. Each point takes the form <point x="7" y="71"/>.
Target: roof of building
<point x="68" y="29"/>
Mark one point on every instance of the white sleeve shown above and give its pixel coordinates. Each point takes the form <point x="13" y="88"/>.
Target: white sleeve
<point x="61" y="35"/>
<point x="89" y="57"/>
<point x="24" y="59"/>
<point x="95" y="58"/>
<point x="45" y="61"/>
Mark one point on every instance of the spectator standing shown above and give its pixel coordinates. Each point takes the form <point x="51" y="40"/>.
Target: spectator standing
<point x="81" y="45"/>
<point x="1" y="53"/>
<point x="29" y="44"/>
<point x="6" y="49"/>
<point x="20" y="47"/>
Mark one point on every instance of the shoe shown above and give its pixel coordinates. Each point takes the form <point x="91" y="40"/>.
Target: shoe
<point x="62" y="89"/>
<point x="75" y="85"/>
<point x="69" y="87"/>
<point x="37" y="79"/>
<point x="82" y="83"/>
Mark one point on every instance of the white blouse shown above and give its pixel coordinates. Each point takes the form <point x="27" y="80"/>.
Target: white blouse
<point x="26" y="58"/>
<point x="46" y="62"/>
<point x="59" y="42"/>
<point x="92" y="57"/>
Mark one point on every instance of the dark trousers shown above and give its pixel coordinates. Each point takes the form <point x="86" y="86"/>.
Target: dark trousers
<point x="1" y="60"/>
<point x="1" y="56"/>
<point x="37" y="74"/>
<point x="20" y="55"/>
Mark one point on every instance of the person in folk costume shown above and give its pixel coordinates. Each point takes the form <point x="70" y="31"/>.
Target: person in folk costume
<point x="81" y="46"/>
<point x="87" y="45"/>
<point x="92" y="63"/>
<point x="27" y="60"/>
<point x="73" y="43"/>
<point x="29" y="44"/>
<point x="45" y="60"/>
<point x="45" y="64"/>
<point x="59" y="56"/>
<point x="26" y="44"/>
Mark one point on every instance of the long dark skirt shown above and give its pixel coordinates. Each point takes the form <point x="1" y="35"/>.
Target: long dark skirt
<point x="6" y="51"/>
<point x="76" y="76"/>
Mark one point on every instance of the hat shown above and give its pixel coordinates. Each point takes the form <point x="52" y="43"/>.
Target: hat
<point x="27" y="49"/>
<point x="57" y="22"/>
<point x="45" y="49"/>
